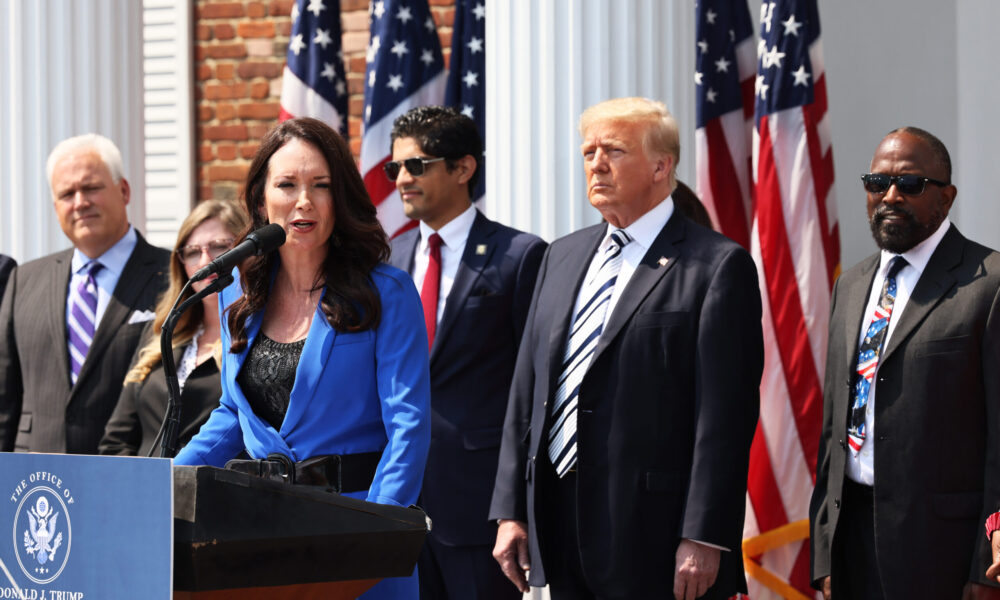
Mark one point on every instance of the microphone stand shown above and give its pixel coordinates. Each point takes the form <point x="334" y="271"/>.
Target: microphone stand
<point x="171" y="421"/>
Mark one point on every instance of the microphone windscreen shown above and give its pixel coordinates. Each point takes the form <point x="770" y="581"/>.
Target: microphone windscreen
<point x="268" y="238"/>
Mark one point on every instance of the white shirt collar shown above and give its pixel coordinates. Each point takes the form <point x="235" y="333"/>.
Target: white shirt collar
<point x="453" y="233"/>
<point x="919" y="255"/>
<point x="113" y="259"/>
<point x="645" y="229"/>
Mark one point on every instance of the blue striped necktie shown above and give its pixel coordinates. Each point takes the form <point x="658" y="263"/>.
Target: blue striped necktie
<point x="584" y="334"/>
<point x="82" y="319"/>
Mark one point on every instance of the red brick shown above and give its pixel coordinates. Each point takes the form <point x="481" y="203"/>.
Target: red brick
<point x="219" y="10"/>
<point x="285" y="28"/>
<point x="356" y="85"/>
<point x="225" y="71"/>
<point x="205" y="193"/>
<point x="353" y="127"/>
<point x="203" y="32"/>
<point x="355" y="146"/>
<point x="226" y="151"/>
<point x="224" y="31"/>
<point x="225" y="50"/>
<point x="225" y="111"/>
<point x="256" y="10"/>
<point x="248" y="149"/>
<point x="259" y="110"/>
<point x="203" y="72"/>
<point x="254" y="68"/>
<point x="445" y="38"/>
<point x="200" y="53"/>
<point x="357" y="64"/>
<point x="283" y="8"/>
<point x="226" y="191"/>
<point x="205" y="113"/>
<point x="445" y="18"/>
<point x="205" y="153"/>
<point x="349" y="5"/>
<point x="355" y="105"/>
<point x="258" y="130"/>
<point x="224" y="132"/>
<point x="260" y="90"/>
<point x="256" y="29"/>
<point x="227" y="172"/>
<point x="225" y="91"/>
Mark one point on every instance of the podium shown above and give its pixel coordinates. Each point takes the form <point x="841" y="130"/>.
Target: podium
<point x="239" y="536"/>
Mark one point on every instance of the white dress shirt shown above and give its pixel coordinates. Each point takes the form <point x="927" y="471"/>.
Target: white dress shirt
<point x="453" y="237"/>
<point x="861" y="468"/>
<point x="113" y="263"/>
<point x="643" y="232"/>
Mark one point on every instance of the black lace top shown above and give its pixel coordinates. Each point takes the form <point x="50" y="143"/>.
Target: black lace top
<point x="268" y="375"/>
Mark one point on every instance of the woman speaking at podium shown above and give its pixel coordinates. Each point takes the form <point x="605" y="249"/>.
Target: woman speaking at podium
<point x="325" y="370"/>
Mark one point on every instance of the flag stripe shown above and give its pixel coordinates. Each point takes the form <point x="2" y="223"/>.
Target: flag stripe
<point x="786" y="304"/>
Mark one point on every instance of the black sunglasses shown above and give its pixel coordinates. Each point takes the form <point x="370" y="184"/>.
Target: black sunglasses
<point x="414" y="166"/>
<point x="909" y="185"/>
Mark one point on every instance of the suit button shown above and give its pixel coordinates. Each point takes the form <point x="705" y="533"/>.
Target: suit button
<point x="545" y="404"/>
<point x="882" y="438"/>
<point x="836" y="502"/>
<point x="842" y="444"/>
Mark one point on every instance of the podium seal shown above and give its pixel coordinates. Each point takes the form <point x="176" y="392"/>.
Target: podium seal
<point x="42" y="534"/>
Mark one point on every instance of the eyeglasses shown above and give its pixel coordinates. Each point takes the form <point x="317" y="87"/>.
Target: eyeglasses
<point x="190" y="255"/>
<point x="910" y="185"/>
<point x="414" y="166"/>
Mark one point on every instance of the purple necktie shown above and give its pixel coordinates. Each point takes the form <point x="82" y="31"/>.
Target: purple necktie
<point x="82" y="318"/>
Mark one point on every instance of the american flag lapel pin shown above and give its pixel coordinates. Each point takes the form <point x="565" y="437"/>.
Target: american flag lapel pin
<point x="663" y="261"/>
<point x="480" y="249"/>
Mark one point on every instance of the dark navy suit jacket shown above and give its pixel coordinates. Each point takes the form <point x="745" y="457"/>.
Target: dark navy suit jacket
<point x="472" y="362"/>
<point x="666" y="411"/>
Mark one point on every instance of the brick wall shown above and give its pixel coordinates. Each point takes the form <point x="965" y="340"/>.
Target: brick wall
<point x="240" y="50"/>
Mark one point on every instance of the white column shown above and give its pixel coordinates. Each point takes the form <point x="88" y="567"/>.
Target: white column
<point x="548" y="61"/>
<point x="67" y="67"/>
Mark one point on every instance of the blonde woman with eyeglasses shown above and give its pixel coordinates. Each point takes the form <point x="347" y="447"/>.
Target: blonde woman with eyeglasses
<point x="134" y="426"/>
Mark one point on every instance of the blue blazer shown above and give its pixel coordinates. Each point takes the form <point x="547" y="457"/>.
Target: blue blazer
<point x="354" y="392"/>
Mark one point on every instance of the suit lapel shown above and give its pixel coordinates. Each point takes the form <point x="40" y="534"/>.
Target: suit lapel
<point x="571" y="270"/>
<point x="658" y="260"/>
<point x="139" y="269"/>
<point x="933" y="284"/>
<point x="58" y="284"/>
<point x="404" y="249"/>
<point x="314" y="357"/>
<point x="476" y="256"/>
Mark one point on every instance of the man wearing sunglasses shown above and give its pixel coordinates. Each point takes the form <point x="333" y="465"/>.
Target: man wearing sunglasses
<point x="70" y="321"/>
<point x="475" y="279"/>
<point x="909" y="458"/>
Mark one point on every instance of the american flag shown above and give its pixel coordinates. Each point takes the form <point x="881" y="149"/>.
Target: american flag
<point x="724" y="76"/>
<point x="795" y="242"/>
<point x="405" y="69"/>
<point x="467" y="70"/>
<point x="313" y="83"/>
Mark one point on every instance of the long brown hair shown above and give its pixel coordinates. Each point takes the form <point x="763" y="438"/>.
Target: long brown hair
<point x="233" y="218"/>
<point x="357" y="245"/>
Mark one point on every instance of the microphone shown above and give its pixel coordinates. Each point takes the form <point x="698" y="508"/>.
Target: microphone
<point x="264" y="240"/>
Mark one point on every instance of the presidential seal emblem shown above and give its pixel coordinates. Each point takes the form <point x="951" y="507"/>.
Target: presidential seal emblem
<point x="42" y="534"/>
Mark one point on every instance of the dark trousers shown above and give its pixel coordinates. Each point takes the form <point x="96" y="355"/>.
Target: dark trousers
<point x="462" y="573"/>
<point x="558" y="538"/>
<point x="854" y="573"/>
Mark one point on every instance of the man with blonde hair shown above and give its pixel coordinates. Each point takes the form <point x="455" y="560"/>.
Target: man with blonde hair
<point x="70" y="321"/>
<point x="624" y="460"/>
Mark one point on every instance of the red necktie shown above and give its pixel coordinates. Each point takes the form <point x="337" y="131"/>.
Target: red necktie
<point x="432" y="283"/>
